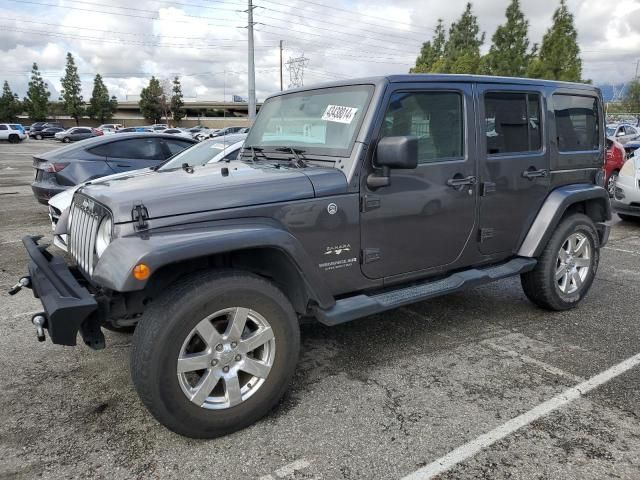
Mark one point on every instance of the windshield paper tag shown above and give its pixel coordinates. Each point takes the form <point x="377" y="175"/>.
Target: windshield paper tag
<point x="336" y="113"/>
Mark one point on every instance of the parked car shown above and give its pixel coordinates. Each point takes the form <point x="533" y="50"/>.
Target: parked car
<point x="12" y="132"/>
<point x="110" y="126"/>
<point x="206" y="262"/>
<point x="48" y="132"/>
<point x="626" y="197"/>
<point x="176" y="131"/>
<point x="226" y="131"/>
<point x="107" y="131"/>
<point x="135" y="130"/>
<point x="75" y="133"/>
<point x="630" y="147"/>
<point x="205" y="133"/>
<point x="614" y="161"/>
<point x="623" y="132"/>
<point x="42" y="125"/>
<point x="204" y="153"/>
<point x="65" y="167"/>
<point x="159" y="126"/>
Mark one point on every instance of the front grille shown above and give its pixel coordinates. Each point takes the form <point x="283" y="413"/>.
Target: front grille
<point x="86" y="215"/>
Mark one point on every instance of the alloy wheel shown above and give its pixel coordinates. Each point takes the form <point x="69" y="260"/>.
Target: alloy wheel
<point x="226" y="358"/>
<point x="573" y="263"/>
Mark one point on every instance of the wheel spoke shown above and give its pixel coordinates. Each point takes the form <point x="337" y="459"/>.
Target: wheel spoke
<point x="232" y="390"/>
<point x="236" y="326"/>
<point x="561" y="272"/>
<point x="582" y="262"/>
<point x="576" y="279"/>
<point x="256" y="340"/>
<point x="563" y="255"/>
<point x="564" y="285"/>
<point x="256" y="368"/>
<point x="209" y="334"/>
<point x="193" y="362"/>
<point x="204" y="387"/>
<point x="581" y="246"/>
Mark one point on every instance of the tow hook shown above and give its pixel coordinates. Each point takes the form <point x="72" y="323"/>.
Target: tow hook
<point x="24" y="282"/>
<point x="39" y="321"/>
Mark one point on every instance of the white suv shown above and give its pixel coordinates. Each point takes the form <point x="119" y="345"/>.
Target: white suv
<point x="12" y="132"/>
<point x="626" y="196"/>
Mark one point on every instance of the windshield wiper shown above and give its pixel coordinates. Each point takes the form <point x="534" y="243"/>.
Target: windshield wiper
<point x="297" y="161"/>
<point x="253" y="149"/>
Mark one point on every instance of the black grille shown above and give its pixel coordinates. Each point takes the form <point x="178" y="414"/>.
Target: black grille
<point x="86" y="215"/>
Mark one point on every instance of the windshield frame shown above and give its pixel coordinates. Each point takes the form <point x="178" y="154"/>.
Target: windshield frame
<point x="310" y="149"/>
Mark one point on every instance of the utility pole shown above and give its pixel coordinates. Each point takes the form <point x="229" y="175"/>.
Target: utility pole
<point x="281" y="66"/>
<point x="251" y="66"/>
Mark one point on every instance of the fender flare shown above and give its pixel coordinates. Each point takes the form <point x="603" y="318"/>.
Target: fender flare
<point x="171" y="245"/>
<point x="554" y="207"/>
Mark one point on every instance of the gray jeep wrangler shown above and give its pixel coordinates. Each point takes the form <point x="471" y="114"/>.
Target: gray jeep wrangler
<point x="348" y="199"/>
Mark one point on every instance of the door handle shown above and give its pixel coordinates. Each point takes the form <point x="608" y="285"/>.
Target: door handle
<point x="123" y="165"/>
<point x="532" y="173"/>
<point x="458" y="181"/>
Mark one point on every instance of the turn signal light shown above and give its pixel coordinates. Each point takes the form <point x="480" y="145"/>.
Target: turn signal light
<point x="141" y="271"/>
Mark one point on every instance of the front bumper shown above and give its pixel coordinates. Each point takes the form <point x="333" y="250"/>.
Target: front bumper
<point x="68" y="306"/>
<point x="626" y="208"/>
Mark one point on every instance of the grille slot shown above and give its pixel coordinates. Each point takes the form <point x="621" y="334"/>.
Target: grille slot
<point x="86" y="215"/>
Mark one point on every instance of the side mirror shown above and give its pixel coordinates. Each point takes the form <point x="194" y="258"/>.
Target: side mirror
<point x="393" y="152"/>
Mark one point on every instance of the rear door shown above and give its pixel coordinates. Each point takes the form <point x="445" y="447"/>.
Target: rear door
<point x="514" y="163"/>
<point x="134" y="153"/>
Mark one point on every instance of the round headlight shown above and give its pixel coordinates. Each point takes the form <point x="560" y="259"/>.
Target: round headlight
<point x="103" y="237"/>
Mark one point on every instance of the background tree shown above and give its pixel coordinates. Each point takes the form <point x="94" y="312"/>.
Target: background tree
<point x="508" y="54"/>
<point x="71" y="90"/>
<point x="431" y="55"/>
<point x="36" y="103"/>
<point x="177" y="101"/>
<point x="101" y="107"/>
<point x="9" y="104"/>
<point x="559" y="54"/>
<point x="632" y="98"/>
<point x="151" y="101"/>
<point x="462" y="50"/>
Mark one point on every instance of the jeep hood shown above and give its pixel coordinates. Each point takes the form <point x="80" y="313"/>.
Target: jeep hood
<point x="213" y="187"/>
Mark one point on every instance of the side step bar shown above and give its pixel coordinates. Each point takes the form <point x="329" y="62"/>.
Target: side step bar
<point x="362" y="305"/>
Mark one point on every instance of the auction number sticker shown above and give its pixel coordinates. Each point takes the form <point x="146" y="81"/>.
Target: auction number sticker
<point x="337" y="113"/>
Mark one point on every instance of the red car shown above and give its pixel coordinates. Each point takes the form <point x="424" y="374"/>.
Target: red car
<point x="613" y="164"/>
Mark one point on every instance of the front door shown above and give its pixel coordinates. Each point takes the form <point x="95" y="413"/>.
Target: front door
<point x="425" y="218"/>
<point x="514" y="167"/>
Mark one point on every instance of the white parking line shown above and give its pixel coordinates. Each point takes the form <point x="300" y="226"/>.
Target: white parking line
<point x="622" y="250"/>
<point x="470" y="449"/>
<point x="532" y="361"/>
<point x="288" y="469"/>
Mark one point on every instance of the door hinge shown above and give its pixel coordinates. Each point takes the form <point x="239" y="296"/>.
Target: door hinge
<point x="369" y="202"/>
<point x="486" y="234"/>
<point x="140" y="215"/>
<point x="487" y="188"/>
<point x="370" y="255"/>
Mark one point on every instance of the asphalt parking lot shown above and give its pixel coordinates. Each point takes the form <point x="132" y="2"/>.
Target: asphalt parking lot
<point x="377" y="398"/>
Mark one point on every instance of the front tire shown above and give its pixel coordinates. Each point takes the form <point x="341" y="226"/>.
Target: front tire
<point x="611" y="183"/>
<point x="38" y="137"/>
<point x="66" y="139"/>
<point x="567" y="266"/>
<point x="216" y="353"/>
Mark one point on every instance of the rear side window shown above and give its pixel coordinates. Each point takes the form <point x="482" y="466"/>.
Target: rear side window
<point x="176" y="146"/>
<point x="434" y="117"/>
<point x="3" y="127"/>
<point x="135" y="148"/>
<point x="512" y="122"/>
<point x="576" y="122"/>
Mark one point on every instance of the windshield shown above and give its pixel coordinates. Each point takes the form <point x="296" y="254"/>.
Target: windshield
<point x="323" y="121"/>
<point x="610" y="131"/>
<point x="199" y="154"/>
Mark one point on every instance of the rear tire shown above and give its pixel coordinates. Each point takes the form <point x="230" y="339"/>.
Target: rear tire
<point x="38" y="137"/>
<point x="567" y="266"/>
<point x="172" y="332"/>
<point x="14" y="138"/>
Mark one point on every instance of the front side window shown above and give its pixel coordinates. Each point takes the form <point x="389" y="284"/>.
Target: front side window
<point x="322" y="121"/>
<point x="576" y="122"/>
<point x="434" y="117"/>
<point x="512" y="122"/>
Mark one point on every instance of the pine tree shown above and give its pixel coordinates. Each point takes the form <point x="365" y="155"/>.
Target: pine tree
<point x="177" y="101"/>
<point x="559" y="54"/>
<point x="101" y="107"/>
<point x="9" y="104"/>
<point x="71" y="90"/>
<point x="462" y="51"/>
<point x="508" y="54"/>
<point x="151" y="101"/>
<point x="432" y="52"/>
<point x="36" y="103"/>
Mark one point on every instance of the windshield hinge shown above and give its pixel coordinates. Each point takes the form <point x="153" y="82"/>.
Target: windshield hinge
<point x="140" y="214"/>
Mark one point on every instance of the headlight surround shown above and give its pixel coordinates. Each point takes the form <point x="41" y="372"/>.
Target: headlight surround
<point x="103" y="236"/>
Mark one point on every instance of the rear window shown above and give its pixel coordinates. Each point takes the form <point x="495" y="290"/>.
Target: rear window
<point x="576" y="122"/>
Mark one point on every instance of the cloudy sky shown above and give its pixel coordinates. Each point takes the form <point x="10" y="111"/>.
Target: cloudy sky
<point x="205" y="41"/>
